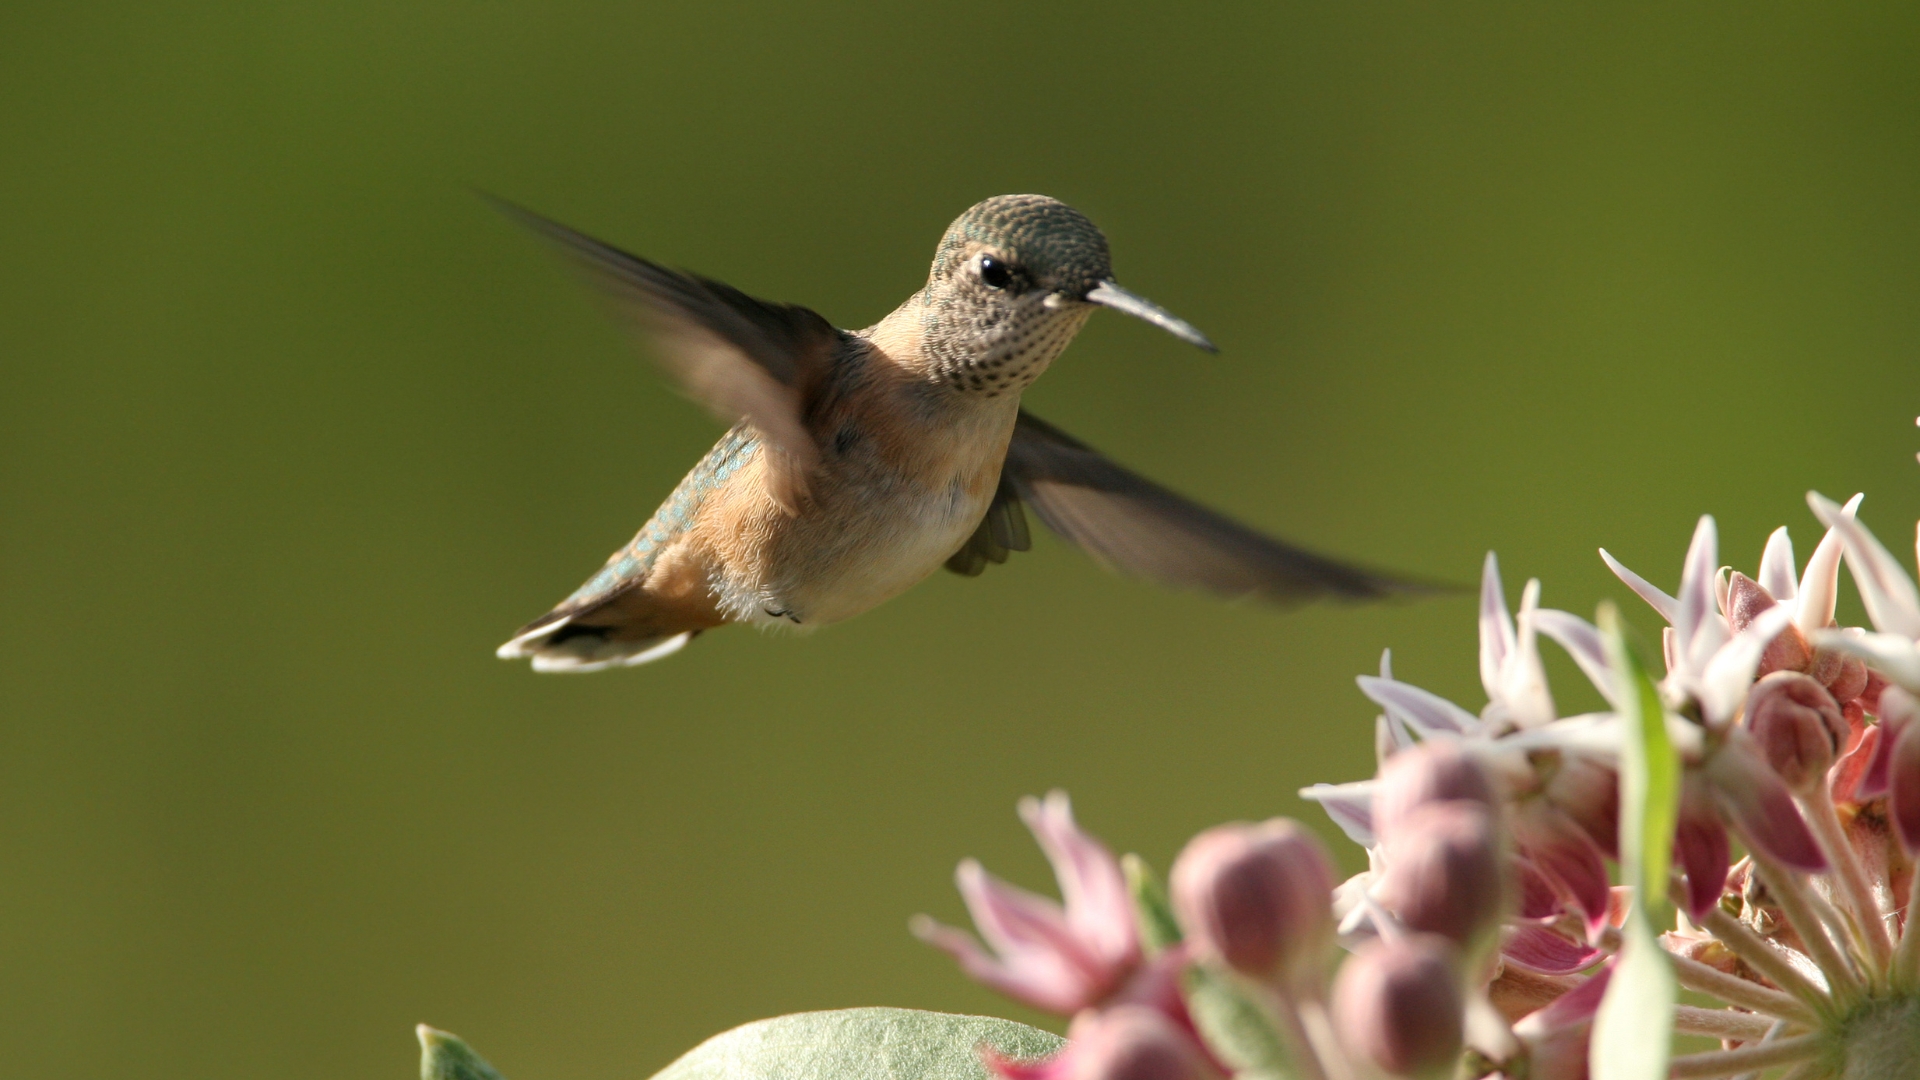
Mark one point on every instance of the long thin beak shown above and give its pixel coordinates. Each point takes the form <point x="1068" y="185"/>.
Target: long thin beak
<point x="1107" y="294"/>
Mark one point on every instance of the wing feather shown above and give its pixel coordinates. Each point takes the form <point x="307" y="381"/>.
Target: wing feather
<point x="1131" y="524"/>
<point x="741" y="357"/>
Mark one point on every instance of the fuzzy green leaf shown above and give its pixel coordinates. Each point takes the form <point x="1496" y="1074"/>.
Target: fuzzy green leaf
<point x="445" y="1057"/>
<point x="1151" y="909"/>
<point x="860" y="1044"/>
<point x="1649" y="769"/>
<point x="1633" y="1031"/>
<point x="1236" y="1027"/>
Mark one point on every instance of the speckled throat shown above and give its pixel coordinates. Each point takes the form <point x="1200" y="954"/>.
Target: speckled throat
<point x="998" y="352"/>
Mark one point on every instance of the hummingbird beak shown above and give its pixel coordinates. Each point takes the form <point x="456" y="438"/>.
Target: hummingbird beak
<point x="1109" y="295"/>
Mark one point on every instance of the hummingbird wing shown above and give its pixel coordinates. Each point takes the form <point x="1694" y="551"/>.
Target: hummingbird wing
<point x="1002" y="532"/>
<point x="741" y="357"/>
<point x="1131" y="524"/>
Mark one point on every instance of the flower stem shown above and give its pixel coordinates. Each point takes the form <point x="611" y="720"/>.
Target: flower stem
<point x="1749" y="946"/>
<point x="1906" y="958"/>
<point x="1307" y="1056"/>
<point x="1800" y="908"/>
<point x="1721" y="1023"/>
<point x="1817" y="807"/>
<point x="1747" y="1058"/>
<point x="1773" y="1033"/>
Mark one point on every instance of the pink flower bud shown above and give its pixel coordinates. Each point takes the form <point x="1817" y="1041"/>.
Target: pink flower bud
<point x="1869" y="698"/>
<point x="1443" y="873"/>
<point x="1399" y="1005"/>
<point x="1746" y="599"/>
<point x="1125" y="1042"/>
<point x="1257" y="897"/>
<point x="1798" y="726"/>
<point x="1850" y="681"/>
<point x="1437" y="770"/>
<point x="1845" y="677"/>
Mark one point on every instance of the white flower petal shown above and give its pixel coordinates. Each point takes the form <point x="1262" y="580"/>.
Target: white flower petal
<point x="1777" y="574"/>
<point x="1523" y="679"/>
<point x="1820" y="588"/>
<point x="1425" y="712"/>
<point x="1724" y="683"/>
<point x="1496" y="628"/>
<point x="1892" y="601"/>
<point x="1349" y="805"/>
<point x="1820" y="582"/>
<point x="1666" y="605"/>
<point x="1593" y="733"/>
<point x="1582" y="642"/>
<point x="1697" y="622"/>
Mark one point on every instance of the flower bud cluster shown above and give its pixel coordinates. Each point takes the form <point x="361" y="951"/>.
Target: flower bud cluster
<point x="1445" y="863"/>
<point x="1483" y="935"/>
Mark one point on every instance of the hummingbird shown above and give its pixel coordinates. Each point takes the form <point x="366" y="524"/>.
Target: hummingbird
<point x="858" y="463"/>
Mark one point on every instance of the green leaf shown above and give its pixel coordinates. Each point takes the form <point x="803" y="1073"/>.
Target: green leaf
<point x="1236" y="1027"/>
<point x="860" y="1044"/>
<point x="445" y="1057"/>
<point x="1633" y="1031"/>
<point x="1151" y="909"/>
<point x="1649" y="769"/>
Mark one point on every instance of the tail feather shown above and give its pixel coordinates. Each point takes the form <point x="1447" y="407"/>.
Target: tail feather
<point x="561" y="645"/>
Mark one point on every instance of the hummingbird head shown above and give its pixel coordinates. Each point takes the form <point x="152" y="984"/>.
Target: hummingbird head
<point x="1014" y="279"/>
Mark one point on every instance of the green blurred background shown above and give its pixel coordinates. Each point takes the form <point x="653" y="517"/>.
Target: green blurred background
<point x="294" y="431"/>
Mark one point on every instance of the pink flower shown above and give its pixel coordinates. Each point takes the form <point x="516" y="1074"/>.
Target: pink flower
<point x="1060" y="959"/>
<point x="1556" y="1037"/>
<point x="1708" y="663"/>
<point x="1711" y="660"/>
<point x="1894" y="769"/>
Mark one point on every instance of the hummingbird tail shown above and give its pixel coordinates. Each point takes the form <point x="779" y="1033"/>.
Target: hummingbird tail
<point x="564" y="646"/>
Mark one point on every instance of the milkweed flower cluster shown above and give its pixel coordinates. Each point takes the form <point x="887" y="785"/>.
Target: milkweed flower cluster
<point x="1512" y="921"/>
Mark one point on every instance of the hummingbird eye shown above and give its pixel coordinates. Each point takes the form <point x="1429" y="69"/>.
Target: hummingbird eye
<point x="994" y="273"/>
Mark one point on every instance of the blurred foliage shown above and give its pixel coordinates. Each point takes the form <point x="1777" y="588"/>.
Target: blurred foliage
<point x="295" y="431"/>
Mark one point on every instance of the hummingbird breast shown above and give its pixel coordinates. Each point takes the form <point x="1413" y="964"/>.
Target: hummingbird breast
<point x="898" y="490"/>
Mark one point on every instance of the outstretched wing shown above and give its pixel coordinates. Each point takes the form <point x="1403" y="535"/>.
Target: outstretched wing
<point x="743" y="358"/>
<point x="1131" y="524"/>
